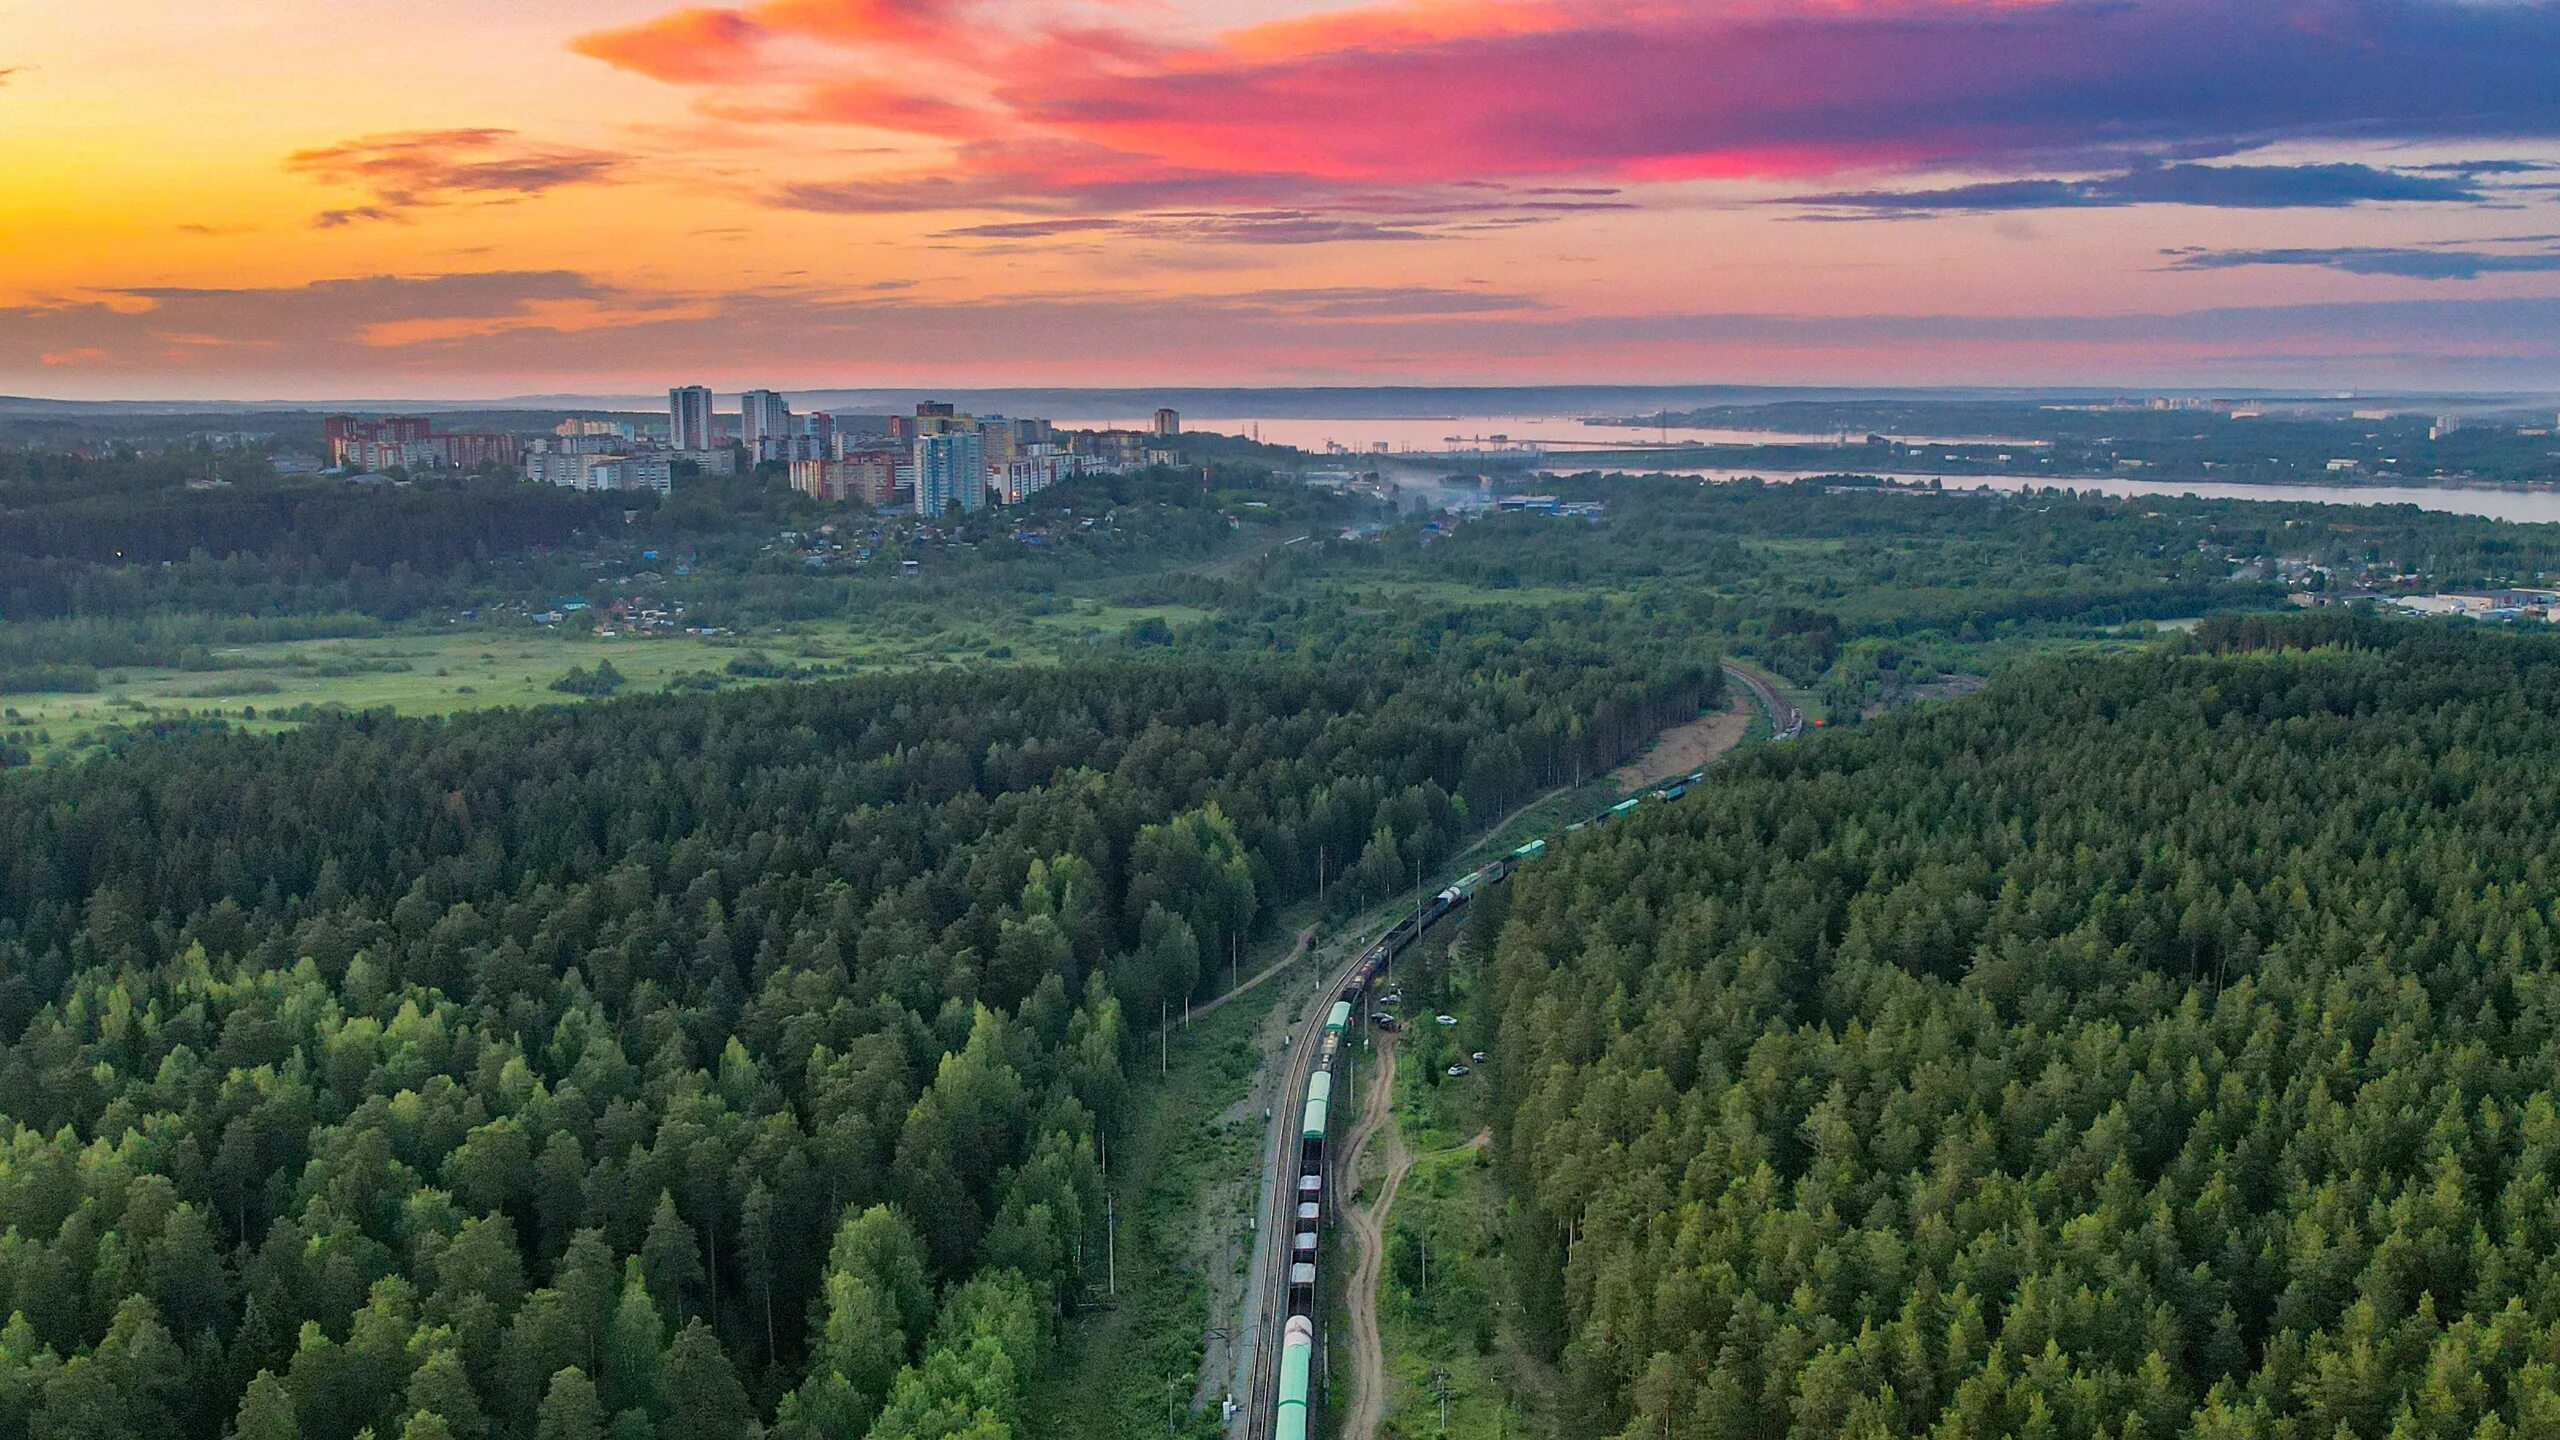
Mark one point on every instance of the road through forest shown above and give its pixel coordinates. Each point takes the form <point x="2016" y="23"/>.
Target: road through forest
<point x="1368" y="1238"/>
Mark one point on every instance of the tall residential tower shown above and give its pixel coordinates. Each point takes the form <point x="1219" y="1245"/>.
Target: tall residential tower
<point x="689" y="418"/>
<point x="951" y="469"/>
<point x="764" y="424"/>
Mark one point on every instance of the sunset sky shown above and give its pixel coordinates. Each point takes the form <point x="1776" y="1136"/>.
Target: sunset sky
<point x="313" y="199"/>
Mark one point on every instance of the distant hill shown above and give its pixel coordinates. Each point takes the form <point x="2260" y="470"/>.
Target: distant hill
<point x="1132" y="402"/>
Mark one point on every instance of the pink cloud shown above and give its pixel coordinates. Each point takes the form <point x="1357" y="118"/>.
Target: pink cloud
<point x="1428" y="92"/>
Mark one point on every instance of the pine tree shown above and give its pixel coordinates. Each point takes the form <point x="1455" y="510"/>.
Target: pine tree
<point x="671" y="1258"/>
<point x="704" y="1399"/>
<point x="266" y="1411"/>
<point x="634" y="1346"/>
<point x="571" y="1409"/>
<point x="441" y="1385"/>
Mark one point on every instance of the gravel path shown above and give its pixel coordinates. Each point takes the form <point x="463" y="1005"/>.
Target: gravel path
<point x="1368" y="1238"/>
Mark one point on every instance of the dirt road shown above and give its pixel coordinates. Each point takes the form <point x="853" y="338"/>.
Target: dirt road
<point x="1305" y="938"/>
<point x="1683" y="749"/>
<point x="1368" y="1237"/>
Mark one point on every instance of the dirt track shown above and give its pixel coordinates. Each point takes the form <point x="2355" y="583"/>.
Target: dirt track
<point x="1306" y="937"/>
<point x="1686" y="748"/>
<point x="1368" y="1236"/>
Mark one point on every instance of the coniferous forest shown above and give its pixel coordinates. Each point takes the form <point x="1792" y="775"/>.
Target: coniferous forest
<point x="667" y="1065"/>
<point x="2146" y="1046"/>
<point x="2158" y="1040"/>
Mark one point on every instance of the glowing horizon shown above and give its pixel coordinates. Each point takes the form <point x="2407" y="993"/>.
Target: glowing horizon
<point x="307" y="200"/>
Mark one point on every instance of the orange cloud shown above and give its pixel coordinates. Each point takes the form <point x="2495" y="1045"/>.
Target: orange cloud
<point x="699" y="45"/>
<point x="550" y="316"/>
<point x="692" y="46"/>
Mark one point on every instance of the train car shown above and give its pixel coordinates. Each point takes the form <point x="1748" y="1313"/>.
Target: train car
<point x="1672" y="792"/>
<point x="1339" y="1019"/>
<point x="1302" y="1289"/>
<point x="1530" y="851"/>
<point x="1297" y="1366"/>
<point x="1622" y="807"/>
<point x="1303" y="1245"/>
<point x="1466" y="886"/>
<point x="1319" y="1100"/>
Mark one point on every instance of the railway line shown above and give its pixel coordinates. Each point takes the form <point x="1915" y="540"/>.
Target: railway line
<point x="1786" y="722"/>
<point x="1286" y="1300"/>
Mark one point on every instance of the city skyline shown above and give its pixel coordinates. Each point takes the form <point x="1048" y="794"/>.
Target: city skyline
<point x="476" y="200"/>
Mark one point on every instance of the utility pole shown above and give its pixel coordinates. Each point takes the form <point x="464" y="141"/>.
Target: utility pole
<point x="1111" y="1244"/>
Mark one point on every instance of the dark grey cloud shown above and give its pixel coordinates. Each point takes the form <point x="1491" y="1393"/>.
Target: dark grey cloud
<point x="2228" y="187"/>
<point x="2482" y="167"/>
<point x="2408" y="262"/>
<point x="352" y="215"/>
<point x="1202" y="208"/>
<point x="408" y="169"/>
<point x="1244" y="227"/>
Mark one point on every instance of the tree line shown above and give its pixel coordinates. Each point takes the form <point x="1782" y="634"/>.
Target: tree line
<point x="674" y="1066"/>
<point x="2144" y="1046"/>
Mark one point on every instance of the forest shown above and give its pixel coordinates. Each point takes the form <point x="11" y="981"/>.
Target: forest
<point x="2154" y="1041"/>
<point x="135" y="541"/>
<point x="667" y="1066"/>
<point x="2158" y="1044"/>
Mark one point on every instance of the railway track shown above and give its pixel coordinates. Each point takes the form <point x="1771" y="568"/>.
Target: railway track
<point x="1291" y="1148"/>
<point x="1279" y="1203"/>
<point x="1786" y="722"/>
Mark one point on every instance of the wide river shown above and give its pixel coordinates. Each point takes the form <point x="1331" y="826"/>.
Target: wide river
<point x="2536" y="506"/>
<point x="1563" y="433"/>
<point x="1320" y="435"/>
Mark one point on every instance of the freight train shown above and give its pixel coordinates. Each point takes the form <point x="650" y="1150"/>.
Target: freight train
<point x="1290" y="1413"/>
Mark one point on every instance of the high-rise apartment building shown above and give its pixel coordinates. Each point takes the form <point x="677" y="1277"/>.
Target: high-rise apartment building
<point x="764" y="424"/>
<point x="951" y="469"/>
<point x="1168" y="421"/>
<point x="689" y="418"/>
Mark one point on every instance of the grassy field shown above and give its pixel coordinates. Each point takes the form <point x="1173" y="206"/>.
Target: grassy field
<point x="422" y="671"/>
<point x="1183" y="1178"/>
